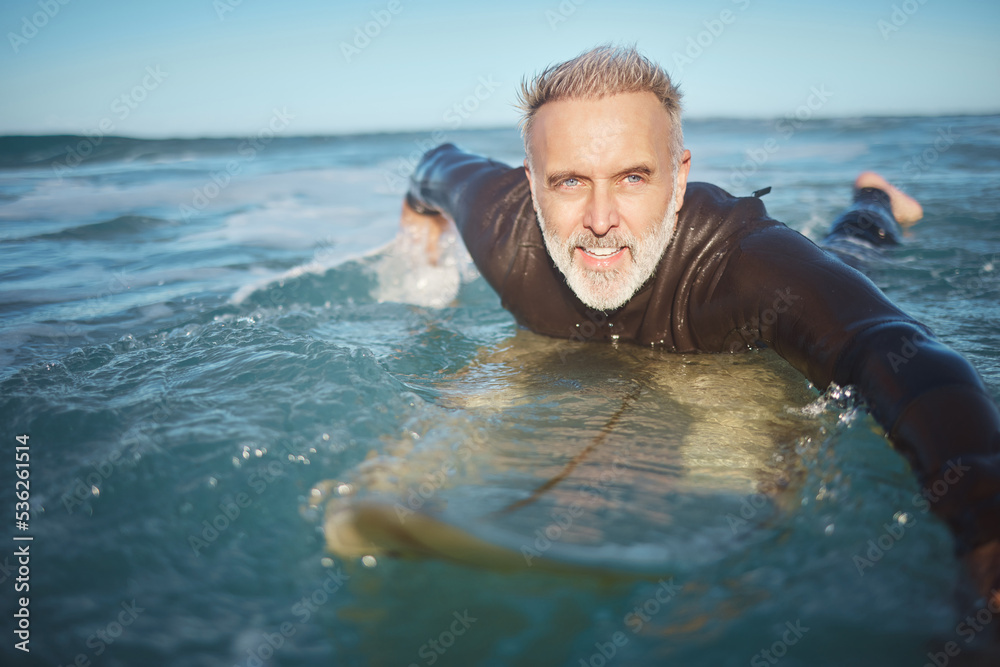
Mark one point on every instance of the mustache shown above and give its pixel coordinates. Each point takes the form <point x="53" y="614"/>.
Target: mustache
<point x="613" y="239"/>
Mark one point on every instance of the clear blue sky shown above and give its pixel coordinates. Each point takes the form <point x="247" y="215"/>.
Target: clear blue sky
<point x="225" y="65"/>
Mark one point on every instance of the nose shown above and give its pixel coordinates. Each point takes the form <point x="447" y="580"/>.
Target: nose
<point x="602" y="212"/>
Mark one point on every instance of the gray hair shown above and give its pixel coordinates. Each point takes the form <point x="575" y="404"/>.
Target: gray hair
<point x="600" y="72"/>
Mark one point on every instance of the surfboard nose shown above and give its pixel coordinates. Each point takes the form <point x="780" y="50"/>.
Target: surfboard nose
<point x="341" y="525"/>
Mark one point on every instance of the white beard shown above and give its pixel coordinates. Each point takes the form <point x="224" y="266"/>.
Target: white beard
<point x="609" y="289"/>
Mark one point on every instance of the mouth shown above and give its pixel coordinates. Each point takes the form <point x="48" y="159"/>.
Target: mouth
<point x="599" y="258"/>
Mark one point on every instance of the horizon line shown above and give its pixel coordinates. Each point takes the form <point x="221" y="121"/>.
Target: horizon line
<point x="431" y="130"/>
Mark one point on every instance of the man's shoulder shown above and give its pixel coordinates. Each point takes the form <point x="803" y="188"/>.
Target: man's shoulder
<point x="709" y="199"/>
<point x="712" y="216"/>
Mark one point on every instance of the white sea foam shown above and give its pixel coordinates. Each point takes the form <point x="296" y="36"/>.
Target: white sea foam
<point x="406" y="274"/>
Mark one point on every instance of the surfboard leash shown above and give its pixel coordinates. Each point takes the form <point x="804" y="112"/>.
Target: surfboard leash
<point x="627" y="401"/>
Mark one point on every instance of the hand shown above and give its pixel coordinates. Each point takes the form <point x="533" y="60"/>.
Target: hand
<point x="423" y="228"/>
<point x="969" y="503"/>
<point x="983" y="564"/>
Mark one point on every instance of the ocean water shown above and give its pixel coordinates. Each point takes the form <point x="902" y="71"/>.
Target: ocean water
<point x="209" y="341"/>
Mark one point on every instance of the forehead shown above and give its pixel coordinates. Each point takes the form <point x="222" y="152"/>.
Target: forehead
<point x="594" y="132"/>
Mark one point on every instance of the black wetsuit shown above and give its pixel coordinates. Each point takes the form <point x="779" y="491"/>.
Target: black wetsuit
<point x="731" y="279"/>
<point x="861" y="231"/>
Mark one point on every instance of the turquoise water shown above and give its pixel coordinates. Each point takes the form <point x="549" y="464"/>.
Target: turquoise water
<point x="195" y="335"/>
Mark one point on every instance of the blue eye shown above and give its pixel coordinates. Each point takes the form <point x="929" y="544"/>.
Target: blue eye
<point x="634" y="178"/>
<point x="570" y="182"/>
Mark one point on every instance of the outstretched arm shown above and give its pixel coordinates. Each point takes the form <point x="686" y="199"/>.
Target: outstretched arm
<point x="836" y="326"/>
<point x="485" y="199"/>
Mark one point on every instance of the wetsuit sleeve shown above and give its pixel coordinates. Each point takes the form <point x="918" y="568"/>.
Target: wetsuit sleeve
<point x="488" y="201"/>
<point x="834" y="325"/>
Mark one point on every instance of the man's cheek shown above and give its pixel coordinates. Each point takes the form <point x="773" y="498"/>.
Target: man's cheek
<point x="560" y="219"/>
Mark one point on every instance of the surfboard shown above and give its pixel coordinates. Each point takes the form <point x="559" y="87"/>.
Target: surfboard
<point x="567" y="456"/>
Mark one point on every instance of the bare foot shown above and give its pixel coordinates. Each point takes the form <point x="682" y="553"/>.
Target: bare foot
<point x="905" y="208"/>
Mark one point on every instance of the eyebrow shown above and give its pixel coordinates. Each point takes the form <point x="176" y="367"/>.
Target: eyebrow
<point x="555" y="178"/>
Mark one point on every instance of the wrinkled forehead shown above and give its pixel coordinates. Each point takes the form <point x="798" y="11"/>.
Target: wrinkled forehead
<point x="575" y="133"/>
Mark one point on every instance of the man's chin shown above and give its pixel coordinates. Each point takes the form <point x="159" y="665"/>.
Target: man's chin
<point x="601" y="291"/>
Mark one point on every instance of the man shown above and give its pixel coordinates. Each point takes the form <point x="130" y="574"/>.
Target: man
<point x="601" y="237"/>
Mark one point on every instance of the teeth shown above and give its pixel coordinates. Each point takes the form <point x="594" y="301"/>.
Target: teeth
<point x="601" y="252"/>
